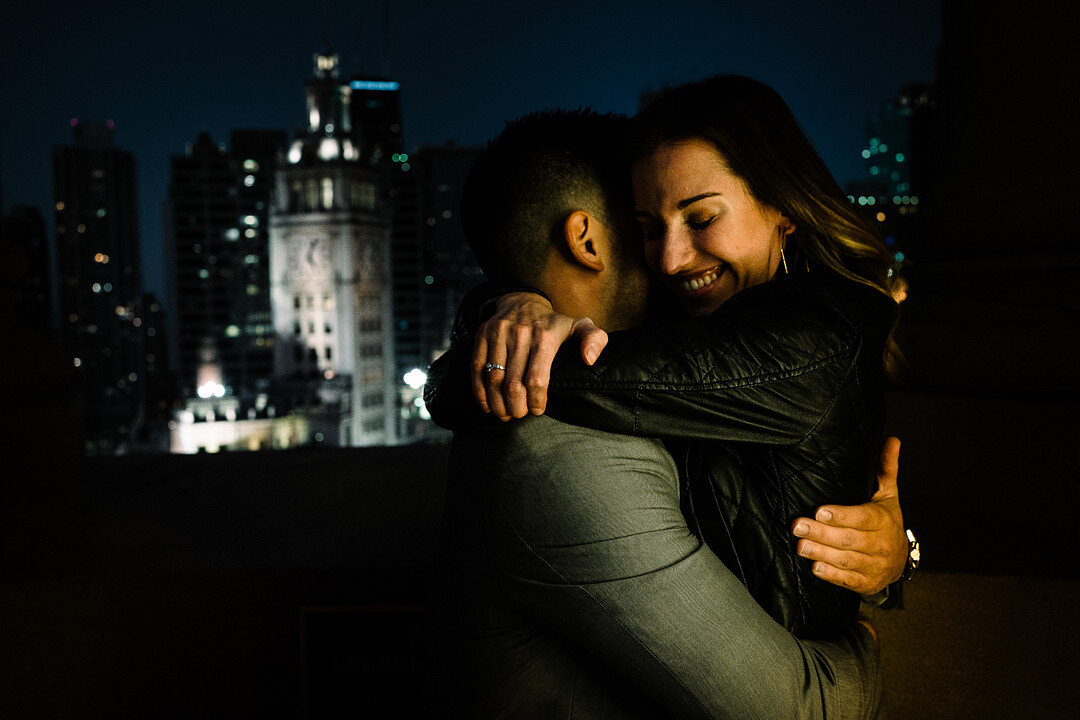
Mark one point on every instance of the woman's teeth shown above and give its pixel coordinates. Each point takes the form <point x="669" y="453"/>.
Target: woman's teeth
<point x="698" y="283"/>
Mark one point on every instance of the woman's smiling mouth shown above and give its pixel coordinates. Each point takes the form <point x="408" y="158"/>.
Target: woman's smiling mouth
<point x="698" y="282"/>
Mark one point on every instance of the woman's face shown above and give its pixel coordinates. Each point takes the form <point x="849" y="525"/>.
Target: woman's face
<point x="705" y="236"/>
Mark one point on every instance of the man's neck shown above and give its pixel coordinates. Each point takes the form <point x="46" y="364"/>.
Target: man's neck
<point x="577" y="294"/>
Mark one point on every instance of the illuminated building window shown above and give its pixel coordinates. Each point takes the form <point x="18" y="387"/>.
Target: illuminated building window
<point x="250" y="233"/>
<point x="249" y="180"/>
<point x="252" y="289"/>
<point x="60" y="206"/>
<point x="251" y="165"/>
<point x="327" y="193"/>
<point x="251" y="220"/>
<point x="328" y="149"/>
<point x="81" y="228"/>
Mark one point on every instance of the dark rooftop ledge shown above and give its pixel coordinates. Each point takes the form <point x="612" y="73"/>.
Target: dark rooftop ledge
<point x="187" y="585"/>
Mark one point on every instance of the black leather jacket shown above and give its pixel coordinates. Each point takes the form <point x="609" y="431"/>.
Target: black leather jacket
<point x="772" y="406"/>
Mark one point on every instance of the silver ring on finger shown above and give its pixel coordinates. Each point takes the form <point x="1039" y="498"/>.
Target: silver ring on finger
<point x="493" y="366"/>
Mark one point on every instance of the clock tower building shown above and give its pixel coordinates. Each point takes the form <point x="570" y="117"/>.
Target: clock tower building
<point x="330" y="272"/>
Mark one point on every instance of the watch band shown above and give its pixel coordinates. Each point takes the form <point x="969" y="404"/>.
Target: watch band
<point x="913" y="557"/>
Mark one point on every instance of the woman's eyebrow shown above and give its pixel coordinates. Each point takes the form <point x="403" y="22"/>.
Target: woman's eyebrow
<point x="691" y="200"/>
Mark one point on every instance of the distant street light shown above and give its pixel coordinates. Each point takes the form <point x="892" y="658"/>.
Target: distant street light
<point x="415" y="378"/>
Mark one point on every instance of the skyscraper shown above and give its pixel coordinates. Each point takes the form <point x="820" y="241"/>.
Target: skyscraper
<point x="99" y="278"/>
<point x="330" y="270"/>
<point x="218" y="224"/>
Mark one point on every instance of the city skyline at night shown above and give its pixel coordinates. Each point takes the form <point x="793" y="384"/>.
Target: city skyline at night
<point x="164" y="75"/>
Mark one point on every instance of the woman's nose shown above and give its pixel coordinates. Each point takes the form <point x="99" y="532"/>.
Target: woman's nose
<point x="676" y="252"/>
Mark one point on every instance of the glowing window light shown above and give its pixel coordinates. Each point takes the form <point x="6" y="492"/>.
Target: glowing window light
<point x="415" y="378"/>
<point x="914" y="200"/>
<point x="251" y="166"/>
<point x="95" y="288"/>
<point x="60" y="206"/>
<point x="405" y="167"/>
<point x="204" y="274"/>
<point x="107" y="287"/>
<point x="81" y="228"/>
<point x="327" y="193"/>
<point x="883" y="147"/>
<point x="249" y="180"/>
<point x="250" y="233"/>
<point x="866" y="154"/>
<point x="232" y="234"/>
<point x="232" y="331"/>
<point x="899" y="157"/>
<point x="874" y="170"/>
<point x="209" y="390"/>
<point x="328" y="149"/>
<point x="862" y="199"/>
<point x="251" y="220"/>
<point x="880" y="217"/>
<point x="296" y="152"/>
<point x="78" y="362"/>
<point x="100" y="213"/>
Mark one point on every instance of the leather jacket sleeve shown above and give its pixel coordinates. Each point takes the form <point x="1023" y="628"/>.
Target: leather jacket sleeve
<point x="763" y="368"/>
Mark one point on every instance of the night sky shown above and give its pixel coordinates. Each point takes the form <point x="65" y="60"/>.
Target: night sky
<point x="164" y="72"/>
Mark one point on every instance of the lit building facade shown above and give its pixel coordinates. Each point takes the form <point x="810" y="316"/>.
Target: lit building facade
<point x="330" y="276"/>
<point x="218" y="217"/>
<point x="901" y="163"/>
<point x="99" y="280"/>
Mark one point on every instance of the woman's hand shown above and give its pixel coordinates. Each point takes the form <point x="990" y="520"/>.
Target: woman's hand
<point x="523" y="336"/>
<point x="861" y="547"/>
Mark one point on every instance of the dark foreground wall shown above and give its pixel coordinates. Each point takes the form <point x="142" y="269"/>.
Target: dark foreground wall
<point x="291" y="584"/>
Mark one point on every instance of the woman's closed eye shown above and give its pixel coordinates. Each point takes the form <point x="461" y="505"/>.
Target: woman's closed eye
<point x="700" y="224"/>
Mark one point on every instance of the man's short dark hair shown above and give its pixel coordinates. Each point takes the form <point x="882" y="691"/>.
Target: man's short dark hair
<point x="528" y="179"/>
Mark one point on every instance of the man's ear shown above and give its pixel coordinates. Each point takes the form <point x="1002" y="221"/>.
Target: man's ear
<point x="584" y="239"/>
